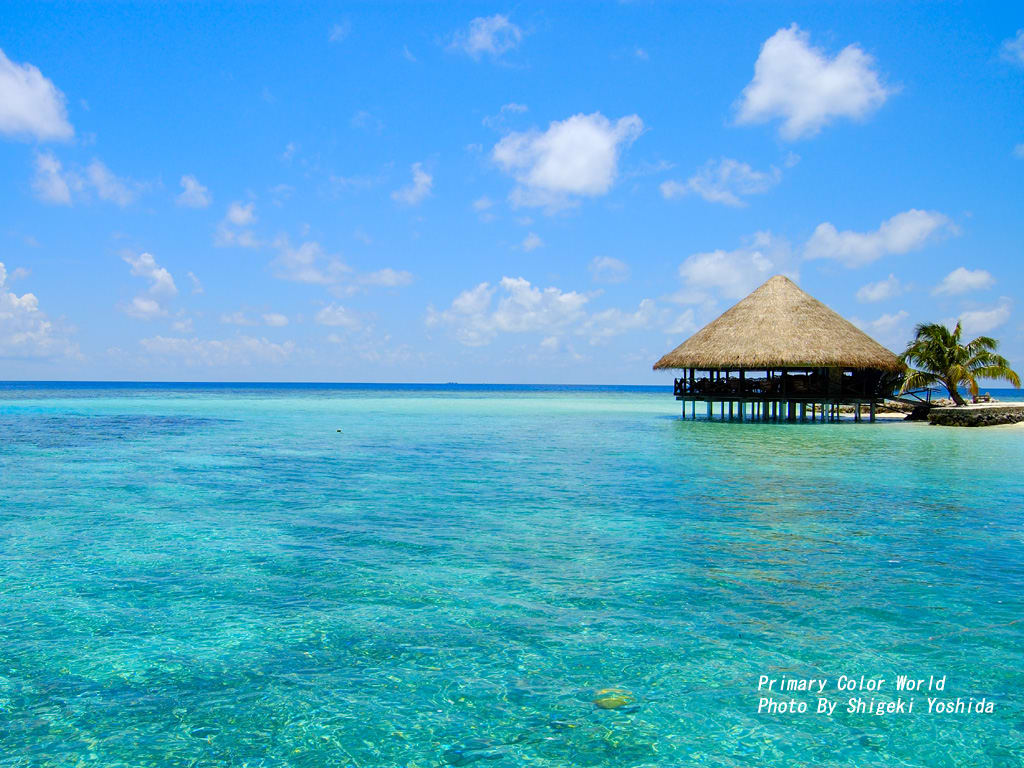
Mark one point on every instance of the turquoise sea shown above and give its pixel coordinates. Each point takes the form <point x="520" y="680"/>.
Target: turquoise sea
<point x="264" y="575"/>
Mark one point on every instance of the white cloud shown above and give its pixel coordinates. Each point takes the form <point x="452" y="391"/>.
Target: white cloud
<point x="236" y="318"/>
<point x="339" y="32"/>
<point x="49" y="183"/>
<point x="26" y="331"/>
<point x="601" y="326"/>
<point x="891" y="329"/>
<point x="532" y="242"/>
<point x="362" y="341"/>
<point x="53" y="184"/>
<point x="521" y="308"/>
<point x="685" y="324"/>
<point x="605" y="269"/>
<point x="883" y="289"/>
<point x="161" y="285"/>
<point x="726" y="182"/>
<point x="197" y="286"/>
<point x="904" y="232"/>
<point x="182" y="325"/>
<point x="1013" y="49"/>
<point x="419" y="188"/>
<point x="498" y="121"/>
<point x="231" y="230"/>
<point x="550" y="344"/>
<point x="145" y="308"/>
<point x="366" y="121"/>
<point x="733" y="274"/>
<point x="386" y="278"/>
<point x="575" y="157"/>
<point x="491" y="35"/>
<point x="984" y="320"/>
<point x="888" y="323"/>
<point x="963" y="280"/>
<point x="308" y="263"/>
<point x="30" y="104"/>
<point x="241" y="214"/>
<point x="482" y="207"/>
<point x="160" y="281"/>
<point x="478" y="315"/>
<point x="1018" y="151"/>
<point x="275" y="320"/>
<point x="108" y="186"/>
<point x="193" y="194"/>
<point x="240" y="350"/>
<point x="337" y="316"/>
<point x="806" y="89"/>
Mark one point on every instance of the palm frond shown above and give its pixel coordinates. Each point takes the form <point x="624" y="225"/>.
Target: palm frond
<point x="1000" y="373"/>
<point x="919" y="380"/>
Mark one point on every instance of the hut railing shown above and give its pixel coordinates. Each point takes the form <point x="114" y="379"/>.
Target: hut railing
<point x="797" y="387"/>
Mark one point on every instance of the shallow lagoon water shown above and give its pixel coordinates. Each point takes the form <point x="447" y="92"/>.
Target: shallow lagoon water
<point x="214" y="575"/>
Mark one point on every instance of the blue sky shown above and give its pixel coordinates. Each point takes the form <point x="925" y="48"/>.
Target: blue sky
<point x="493" y="193"/>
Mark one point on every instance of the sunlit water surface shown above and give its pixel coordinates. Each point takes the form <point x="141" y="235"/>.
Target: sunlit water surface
<point x="201" y="576"/>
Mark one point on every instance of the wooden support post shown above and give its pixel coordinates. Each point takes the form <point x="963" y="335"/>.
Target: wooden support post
<point x="872" y="417"/>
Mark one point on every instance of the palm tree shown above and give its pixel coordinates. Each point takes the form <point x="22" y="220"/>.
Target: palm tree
<point x="938" y="357"/>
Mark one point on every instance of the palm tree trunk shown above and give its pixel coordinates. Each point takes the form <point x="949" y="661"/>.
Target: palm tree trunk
<point x="954" y="393"/>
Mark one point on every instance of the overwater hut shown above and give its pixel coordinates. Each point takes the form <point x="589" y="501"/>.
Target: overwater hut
<point x="782" y="354"/>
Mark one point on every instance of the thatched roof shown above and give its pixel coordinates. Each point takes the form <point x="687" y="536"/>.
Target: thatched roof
<point x="780" y="326"/>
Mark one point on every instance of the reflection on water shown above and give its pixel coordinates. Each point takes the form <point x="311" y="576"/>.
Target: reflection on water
<point x="219" y="576"/>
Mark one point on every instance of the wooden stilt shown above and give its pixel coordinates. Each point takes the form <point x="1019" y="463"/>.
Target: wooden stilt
<point x="872" y="417"/>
